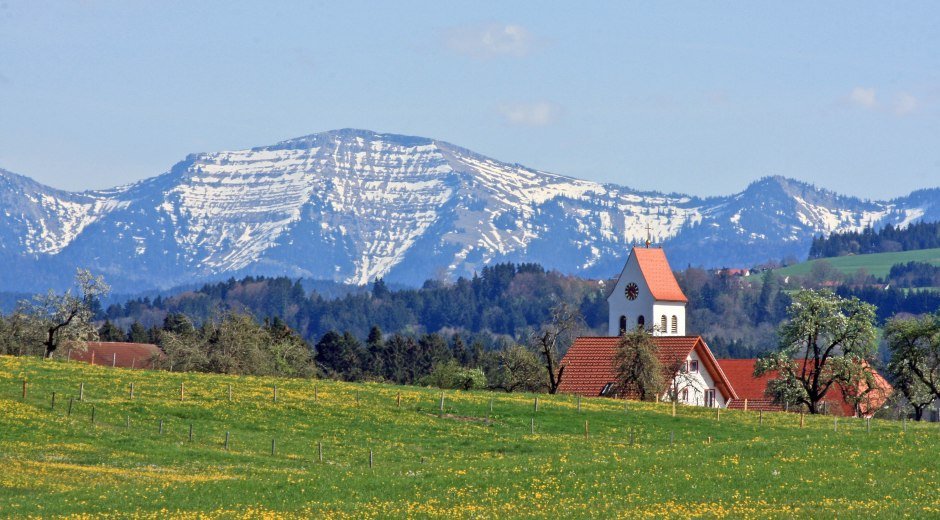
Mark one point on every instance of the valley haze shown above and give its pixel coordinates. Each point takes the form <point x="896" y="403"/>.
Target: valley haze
<point x="354" y="205"/>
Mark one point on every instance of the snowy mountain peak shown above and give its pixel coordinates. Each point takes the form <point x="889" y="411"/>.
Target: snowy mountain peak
<point x="352" y="205"/>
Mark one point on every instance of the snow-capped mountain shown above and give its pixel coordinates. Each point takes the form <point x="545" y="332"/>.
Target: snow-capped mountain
<point x="354" y="205"/>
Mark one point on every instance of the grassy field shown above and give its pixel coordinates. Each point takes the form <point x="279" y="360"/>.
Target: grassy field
<point x="876" y="264"/>
<point x="427" y="464"/>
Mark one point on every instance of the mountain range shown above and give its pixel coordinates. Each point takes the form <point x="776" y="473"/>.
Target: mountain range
<point x="354" y="205"/>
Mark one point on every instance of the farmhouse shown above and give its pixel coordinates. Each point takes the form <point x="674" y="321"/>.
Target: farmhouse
<point x="752" y="391"/>
<point x="125" y="355"/>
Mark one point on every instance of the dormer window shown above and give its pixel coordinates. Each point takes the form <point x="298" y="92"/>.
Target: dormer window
<point x="608" y="388"/>
<point x="693" y="366"/>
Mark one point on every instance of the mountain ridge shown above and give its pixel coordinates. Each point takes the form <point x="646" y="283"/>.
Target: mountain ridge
<point x="352" y="205"/>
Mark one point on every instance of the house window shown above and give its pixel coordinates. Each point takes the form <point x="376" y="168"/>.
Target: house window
<point x="662" y="323"/>
<point x="710" y="398"/>
<point x="685" y="395"/>
<point x="693" y="366"/>
<point x="623" y="325"/>
<point x="607" y="389"/>
<point x="641" y="321"/>
<point x="675" y="324"/>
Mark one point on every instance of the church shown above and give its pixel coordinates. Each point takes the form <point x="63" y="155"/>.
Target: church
<point x="647" y="295"/>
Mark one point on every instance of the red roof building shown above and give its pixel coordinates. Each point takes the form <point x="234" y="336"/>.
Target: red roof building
<point x="753" y="391"/>
<point x="125" y="355"/>
<point x="589" y="369"/>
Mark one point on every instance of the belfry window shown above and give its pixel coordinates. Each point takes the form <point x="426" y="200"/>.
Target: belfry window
<point x="662" y="323"/>
<point x="641" y="321"/>
<point x="675" y="324"/>
<point x="623" y="325"/>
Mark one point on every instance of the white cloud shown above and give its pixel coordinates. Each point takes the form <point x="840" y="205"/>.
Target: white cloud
<point x="540" y="113"/>
<point x="863" y="97"/>
<point x="904" y="104"/>
<point x="490" y="40"/>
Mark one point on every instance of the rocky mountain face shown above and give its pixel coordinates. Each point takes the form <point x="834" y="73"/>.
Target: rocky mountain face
<point x="353" y="205"/>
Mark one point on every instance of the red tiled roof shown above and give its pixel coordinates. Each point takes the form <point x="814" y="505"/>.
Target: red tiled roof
<point x="741" y="374"/>
<point x="659" y="277"/>
<point x="589" y="363"/>
<point x="126" y="355"/>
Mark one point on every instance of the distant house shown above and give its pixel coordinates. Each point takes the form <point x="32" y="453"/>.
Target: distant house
<point x="125" y="355"/>
<point x="753" y="390"/>
<point x="687" y="362"/>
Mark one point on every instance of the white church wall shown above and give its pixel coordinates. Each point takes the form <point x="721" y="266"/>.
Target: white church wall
<point x="620" y="305"/>
<point x="669" y="309"/>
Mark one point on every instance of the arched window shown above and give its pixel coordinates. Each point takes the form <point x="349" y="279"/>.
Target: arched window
<point x="662" y="323"/>
<point x="675" y="324"/>
<point x="623" y="325"/>
<point x="641" y="321"/>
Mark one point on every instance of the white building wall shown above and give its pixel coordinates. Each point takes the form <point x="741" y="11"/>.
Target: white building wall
<point x="669" y="309"/>
<point x="697" y="383"/>
<point x="619" y="305"/>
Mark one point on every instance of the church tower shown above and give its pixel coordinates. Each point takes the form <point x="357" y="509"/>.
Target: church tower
<point x="647" y="295"/>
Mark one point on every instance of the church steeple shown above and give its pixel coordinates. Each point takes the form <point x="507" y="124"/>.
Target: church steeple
<point x="647" y="295"/>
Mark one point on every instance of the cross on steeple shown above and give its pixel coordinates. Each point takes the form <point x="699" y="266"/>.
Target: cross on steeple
<point x="648" y="235"/>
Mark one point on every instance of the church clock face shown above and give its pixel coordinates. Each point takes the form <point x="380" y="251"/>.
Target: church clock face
<point x="632" y="291"/>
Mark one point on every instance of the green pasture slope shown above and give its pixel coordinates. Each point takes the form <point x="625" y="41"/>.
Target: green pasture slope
<point x="877" y="264"/>
<point x="577" y="464"/>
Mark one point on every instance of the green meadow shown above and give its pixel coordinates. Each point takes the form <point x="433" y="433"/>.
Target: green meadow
<point x="877" y="264"/>
<point x="486" y="455"/>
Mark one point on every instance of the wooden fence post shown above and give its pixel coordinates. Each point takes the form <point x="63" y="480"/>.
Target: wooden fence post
<point x="113" y="359"/>
<point x="357" y="397"/>
<point x="190" y="432"/>
<point x="127" y="421"/>
<point x="182" y="390"/>
<point x="53" y="402"/>
<point x="709" y="440"/>
<point x="536" y="403"/>
<point x="491" y="405"/>
<point x="132" y="391"/>
<point x="718" y="414"/>
<point x="672" y="438"/>
<point x="835" y="424"/>
<point x="134" y="362"/>
<point x="673" y="407"/>
<point x="69" y="414"/>
<point x="320" y="451"/>
<point x="745" y="404"/>
<point x="801" y="419"/>
<point x="398" y="400"/>
<point x="273" y="445"/>
<point x="161" y="426"/>
<point x="760" y="417"/>
<point x="275" y="393"/>
<point x="230" y="392"/>
<point x="868" y="425"/>
<point x="442" y="404"/>
<point x="24" y="389"/>
<point x="631" y="437"/>
<point x="316" y="395"/>
<point x="226" y="440"/>
<point x="579" y="403"/>
<point x="92" y="357"/>
<point x="92" y="414"/>
<point x="81" y="391"/>
<point x="587" y="432"/>
<point x="370" y="458"/>
<point x="532" y="425"/>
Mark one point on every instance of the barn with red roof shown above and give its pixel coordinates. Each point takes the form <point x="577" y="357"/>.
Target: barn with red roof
<point x="118" y="354"/>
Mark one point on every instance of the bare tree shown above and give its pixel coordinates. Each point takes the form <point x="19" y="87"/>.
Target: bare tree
<point x="555" y="337"/>
<point x="66" y="318"/>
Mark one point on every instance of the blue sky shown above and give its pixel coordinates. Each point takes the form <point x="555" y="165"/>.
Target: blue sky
<point x="690" y="97"/>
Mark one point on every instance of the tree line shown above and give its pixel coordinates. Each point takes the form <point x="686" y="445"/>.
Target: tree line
<point x="922" y="235"/>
